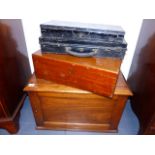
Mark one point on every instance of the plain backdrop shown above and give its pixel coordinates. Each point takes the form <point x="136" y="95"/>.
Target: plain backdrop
<point x="127" y="13"/>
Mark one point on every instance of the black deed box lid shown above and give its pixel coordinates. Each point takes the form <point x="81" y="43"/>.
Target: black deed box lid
<point x="83" y="27"/>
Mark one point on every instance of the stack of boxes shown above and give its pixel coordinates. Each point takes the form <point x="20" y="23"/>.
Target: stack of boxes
<point x="77" y="75"/>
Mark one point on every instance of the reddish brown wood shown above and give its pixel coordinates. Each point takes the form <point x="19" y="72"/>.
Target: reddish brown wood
<point x="12" y="126"/>
<point x="11" y="123"/>
<point x="37" y="109"/>
<point x="142" y="79"/>
<point x="118" y="110"/>
<point x="62" y="107"/>
<point x="14" y="73"/>
<point x="98" y="75"/>
<point x="2" y="111"/>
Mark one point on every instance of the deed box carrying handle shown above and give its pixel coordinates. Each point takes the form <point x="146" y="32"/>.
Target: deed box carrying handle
<point x="80" y="52"/>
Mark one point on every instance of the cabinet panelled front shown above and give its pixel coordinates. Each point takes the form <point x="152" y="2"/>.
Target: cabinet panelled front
<point x="142" y="78"/>
<point x="61" y="107"/>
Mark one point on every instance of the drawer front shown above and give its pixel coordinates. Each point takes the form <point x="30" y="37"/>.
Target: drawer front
<point x="73" y="109"/>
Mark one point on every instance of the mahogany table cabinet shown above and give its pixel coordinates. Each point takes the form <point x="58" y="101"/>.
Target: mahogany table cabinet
<point x="14" y="73"/>
<point x="61" y="107"/>
<point x="142" y="79"/>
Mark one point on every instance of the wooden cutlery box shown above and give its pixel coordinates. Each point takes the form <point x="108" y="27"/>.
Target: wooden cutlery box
<point x="98" y="75"/>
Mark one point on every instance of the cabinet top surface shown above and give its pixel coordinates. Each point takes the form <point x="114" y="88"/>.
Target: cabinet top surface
<point x="107" y="64"/>
<point x="40" y="85"/>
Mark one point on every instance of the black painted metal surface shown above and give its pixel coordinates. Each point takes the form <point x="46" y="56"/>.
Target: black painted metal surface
<point x="83" y="40"/>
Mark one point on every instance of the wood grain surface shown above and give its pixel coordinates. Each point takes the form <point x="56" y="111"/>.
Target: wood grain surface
<point x="98" y="75"/>
<point x="61" y="107"/>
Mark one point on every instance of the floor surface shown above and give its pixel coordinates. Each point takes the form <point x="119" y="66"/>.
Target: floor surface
<point x="128" y="125"/>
